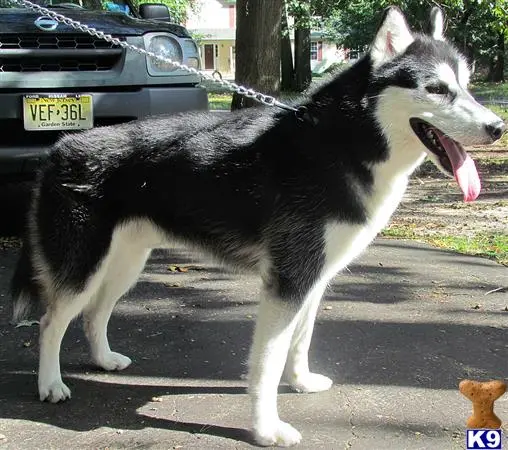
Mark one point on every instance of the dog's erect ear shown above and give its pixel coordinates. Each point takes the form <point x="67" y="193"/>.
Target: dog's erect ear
<point x="437" y="23"/>
<point x="392" y="38"/>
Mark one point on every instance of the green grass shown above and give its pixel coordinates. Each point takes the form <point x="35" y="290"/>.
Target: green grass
<point x="492" y="246"/>
<point x="493" y="90"/>
<point x="500" y="111"/>
<point x="220" y="101"/>
<point x="483" y="89"/>
<point x="492" y="166"/>
<point x="503" y="113"/>
<point x="399" y="232"/>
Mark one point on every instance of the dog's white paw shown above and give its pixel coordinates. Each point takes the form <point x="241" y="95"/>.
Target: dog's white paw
<point x="310" y="382"/>
<point x="279" y="433"/>
<point x="113" y="361"/>
<point x="54" y="392"/>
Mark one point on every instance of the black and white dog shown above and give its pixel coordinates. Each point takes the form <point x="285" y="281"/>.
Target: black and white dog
<point x="294" y="200"/>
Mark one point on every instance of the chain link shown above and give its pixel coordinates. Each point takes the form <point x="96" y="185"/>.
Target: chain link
<point x="267" y="100"/>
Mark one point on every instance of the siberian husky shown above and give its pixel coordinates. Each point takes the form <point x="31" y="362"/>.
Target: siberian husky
<point x="295" y="200"/>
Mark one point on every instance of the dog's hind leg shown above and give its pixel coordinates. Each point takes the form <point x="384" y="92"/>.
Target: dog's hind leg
<point x="297" y="372"/>
<point x="124" y="267"/>
<point x="63" y="308"/>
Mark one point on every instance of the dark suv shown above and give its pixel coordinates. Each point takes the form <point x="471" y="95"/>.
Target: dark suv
<point x="55" y="79"/>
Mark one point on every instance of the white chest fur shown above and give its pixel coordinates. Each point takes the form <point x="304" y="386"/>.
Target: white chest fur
<point x="344" y="241"/>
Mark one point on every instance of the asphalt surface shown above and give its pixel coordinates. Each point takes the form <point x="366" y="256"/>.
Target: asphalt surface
<point x="397" y="332"/>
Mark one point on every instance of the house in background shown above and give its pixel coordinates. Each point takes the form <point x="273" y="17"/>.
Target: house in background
<point x="323" y="53"/>
<point x="214" y="28"/>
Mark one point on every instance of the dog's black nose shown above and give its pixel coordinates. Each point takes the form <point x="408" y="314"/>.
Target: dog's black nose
<point x="496" y="130"/>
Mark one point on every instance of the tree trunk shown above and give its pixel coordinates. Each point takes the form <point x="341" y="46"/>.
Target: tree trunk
<point x="287" y="68"/>
<point x="496" y="66"/>
<point x="464" y="28"/>
<point x="258" y="48"/>
<point x="303" y="74"/>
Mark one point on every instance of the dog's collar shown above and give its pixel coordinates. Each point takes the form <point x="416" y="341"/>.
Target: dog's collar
<point x="302" y="113"/>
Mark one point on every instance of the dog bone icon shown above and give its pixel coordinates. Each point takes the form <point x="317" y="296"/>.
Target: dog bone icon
<point x="483" y="395"/>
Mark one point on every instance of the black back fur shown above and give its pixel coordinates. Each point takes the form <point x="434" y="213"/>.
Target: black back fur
<point x="256" y="179"/>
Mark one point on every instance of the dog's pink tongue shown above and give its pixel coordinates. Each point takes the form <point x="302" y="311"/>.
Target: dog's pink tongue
<point x="468" y="179"/>
<point x="464" y="168"/>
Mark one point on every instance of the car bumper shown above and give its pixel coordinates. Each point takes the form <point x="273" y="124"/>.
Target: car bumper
<point x="22" y="151"/>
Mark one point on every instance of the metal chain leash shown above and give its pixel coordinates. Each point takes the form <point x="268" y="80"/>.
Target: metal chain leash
<point x="267" y="100"/>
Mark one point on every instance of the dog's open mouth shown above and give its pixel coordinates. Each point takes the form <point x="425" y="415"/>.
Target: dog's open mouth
<point x="431" y="138"/>
<point x="451" y="157"/>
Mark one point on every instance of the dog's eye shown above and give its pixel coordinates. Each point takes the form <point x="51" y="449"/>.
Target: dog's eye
<point x="439" y="89"/>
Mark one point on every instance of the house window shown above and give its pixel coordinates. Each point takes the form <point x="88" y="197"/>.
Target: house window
<point x="313" y="51"/>
<point x="356" y="53"/>
<point x="316" y="50"/>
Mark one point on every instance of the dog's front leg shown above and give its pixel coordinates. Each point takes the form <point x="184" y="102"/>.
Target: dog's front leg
<point x="297" y="372"/>
<point x="274" y="328"/>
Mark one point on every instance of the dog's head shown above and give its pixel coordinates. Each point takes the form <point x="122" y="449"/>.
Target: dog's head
<point x="423" y="102"/>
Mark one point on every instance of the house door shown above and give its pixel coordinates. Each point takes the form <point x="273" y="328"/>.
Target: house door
<point x="209" y="57"/>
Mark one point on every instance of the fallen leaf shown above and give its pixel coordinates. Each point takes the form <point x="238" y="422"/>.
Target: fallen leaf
<point x="184" y="269"/>
<point x="173" y="268"/>
<point x="27" y="323"/>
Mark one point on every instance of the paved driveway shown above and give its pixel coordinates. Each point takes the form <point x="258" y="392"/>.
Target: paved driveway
<point x="396" y="333"/>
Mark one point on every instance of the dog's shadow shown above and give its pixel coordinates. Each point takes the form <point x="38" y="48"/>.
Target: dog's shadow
<point x="185" y="349"/>
<point x="96" y="404"/>
<point x="423" y="355"/>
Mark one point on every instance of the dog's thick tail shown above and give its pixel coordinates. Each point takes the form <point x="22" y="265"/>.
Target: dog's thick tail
<point x="24" y="289"/>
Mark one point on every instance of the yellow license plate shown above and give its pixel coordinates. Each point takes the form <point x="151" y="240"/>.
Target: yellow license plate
<point x="57" y="112"/>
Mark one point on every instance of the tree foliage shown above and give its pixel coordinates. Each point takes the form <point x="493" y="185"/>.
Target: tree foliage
<point x="478" y="27"/>
<point x="178" y="8"/>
